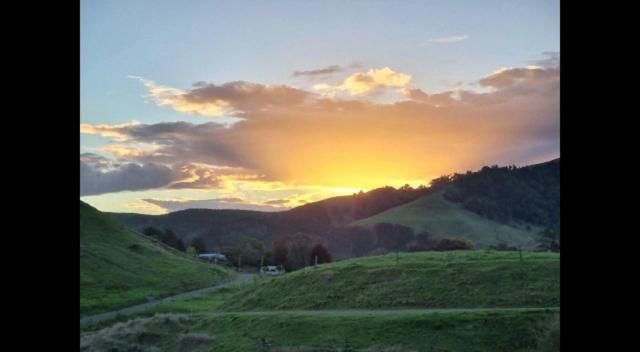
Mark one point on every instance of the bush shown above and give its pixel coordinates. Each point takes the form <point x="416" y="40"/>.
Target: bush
<point x="503" y="246"/>
<point x="321" y="253"/>
<point x="550" y="340"/>
<point x="167" y="237"/>
<point x="379" y="251"/>
<point x="419" y="247"/>
<point x="446" y="244"/>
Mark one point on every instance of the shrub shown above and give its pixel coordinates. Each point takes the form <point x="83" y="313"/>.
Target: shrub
<point x="419" y="247"/>
<point x="379" y="251"/>
<point x="550" y="340"/>
<point x="323" y="255"/>
<point x="503" y="246"/>
<point x="446" y="244"/>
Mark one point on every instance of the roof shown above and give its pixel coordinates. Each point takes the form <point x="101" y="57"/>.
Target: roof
<point x="212" y="255"/>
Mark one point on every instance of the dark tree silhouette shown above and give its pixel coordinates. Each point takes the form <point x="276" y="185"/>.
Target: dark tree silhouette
<point x="446" y="244"/>
<point x="199" y="245"/>
<point x="322" y="253"/>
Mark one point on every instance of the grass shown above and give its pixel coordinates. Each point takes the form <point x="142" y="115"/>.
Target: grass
<point x="460" y="279"/>
<point x="370" y="304"/>
<point x="119" y="267"/>
<point x="445" y="219"/>
<point x="499" y="330"/>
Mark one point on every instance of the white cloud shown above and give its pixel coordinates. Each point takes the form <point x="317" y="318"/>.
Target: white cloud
<point x="448" y="40"/>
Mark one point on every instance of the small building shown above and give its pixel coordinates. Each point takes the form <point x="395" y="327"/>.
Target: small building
<point x="213" y="257"/>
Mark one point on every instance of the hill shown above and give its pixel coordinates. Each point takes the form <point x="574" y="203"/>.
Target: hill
<point x="119" y="267"/>
<point x="491" y="206"/>
<point x="221" y="228"/>
<point x="529" y="194"/>
<point x="474" y="301"/>
<point x="441" y="218"/>
<point x="460" y="279"/>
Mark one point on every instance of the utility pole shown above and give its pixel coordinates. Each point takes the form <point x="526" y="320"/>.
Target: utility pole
<point x="316" y="264"/>
<point x="520" y="252"/>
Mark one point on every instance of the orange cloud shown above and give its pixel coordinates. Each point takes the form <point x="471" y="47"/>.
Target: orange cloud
<point x="300" y="138"/>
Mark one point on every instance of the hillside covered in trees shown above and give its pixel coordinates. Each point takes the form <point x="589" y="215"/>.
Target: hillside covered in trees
<point x="493" y="207"/>
<point x="529" y="194"/>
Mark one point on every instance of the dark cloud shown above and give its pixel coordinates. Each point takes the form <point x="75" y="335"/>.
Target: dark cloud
<point x="323" y="72"/>
<point x="127" y="177"/>
<point x="98" y="161"/>
<point x="245" y="96"/>
<point x="100" y="175"/>
<point x="552" y="59"/>
<point x="527" y="78"/>
<point x="277" y="201"/>
<point x="218" y="203"/>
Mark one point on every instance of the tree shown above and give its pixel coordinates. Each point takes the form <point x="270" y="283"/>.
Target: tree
<point x="167" y="237"/>
<point x="419" y="247"/>
<point x="153" y="232"/>
<point x="199" y="245"/>
<point x="426" y="240"/>
<point x="549" y="240"/>
<point x="292" y="251"/>
<point x="192" y="251"/>
<point x="280" y="253"/>
<point x="250" y="250"/>
<point x="321" y="253"/>
<point x="446" y="244"/>
<point x="393" y="237"/>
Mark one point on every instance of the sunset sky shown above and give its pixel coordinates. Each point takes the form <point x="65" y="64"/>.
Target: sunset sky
<point x="267" y="105"/>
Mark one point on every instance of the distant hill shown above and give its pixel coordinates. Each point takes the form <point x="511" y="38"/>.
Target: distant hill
<point x="494" y="205"/>
<point x="119" y="267"/>
<point x="220" y="228"/>
<point x="442" y="218"/>
<point x="491" y="206"/>
<point x="529" y="194"/>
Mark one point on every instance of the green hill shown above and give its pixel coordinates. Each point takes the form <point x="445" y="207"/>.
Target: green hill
<point x="491" y="206"/>
<point x="119" y="267"/>
<point x="445" y="219"/>
<point x="428" y="301"/>
<point x="227" y="227"/>
<point x="459" y="279"/>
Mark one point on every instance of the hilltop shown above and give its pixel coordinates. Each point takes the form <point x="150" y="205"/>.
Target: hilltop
<point x="459" y="279"/>
<point x="220" y="228"/>
<point x="120" y="267"/>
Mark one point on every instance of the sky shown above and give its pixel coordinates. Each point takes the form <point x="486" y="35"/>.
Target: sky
<point x="268" y="105"/>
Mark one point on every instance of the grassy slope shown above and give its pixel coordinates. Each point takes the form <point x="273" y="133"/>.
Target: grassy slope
<point x="238" y="319"/>
<point x="443" y="218"/>
<point x="500" y="330"/>
<point x="119" y="267"/>
<point x="473" y="279"/>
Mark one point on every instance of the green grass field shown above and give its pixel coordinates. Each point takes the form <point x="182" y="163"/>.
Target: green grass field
<point x="399" y="331"/>
<point x="429" y="301"/>
<point x="459" y="279"/>
<point x="445" y="219"/>
<point x="119" y="267"/>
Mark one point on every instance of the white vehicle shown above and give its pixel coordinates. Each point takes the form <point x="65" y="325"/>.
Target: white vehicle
<point x="271" y="270"/>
